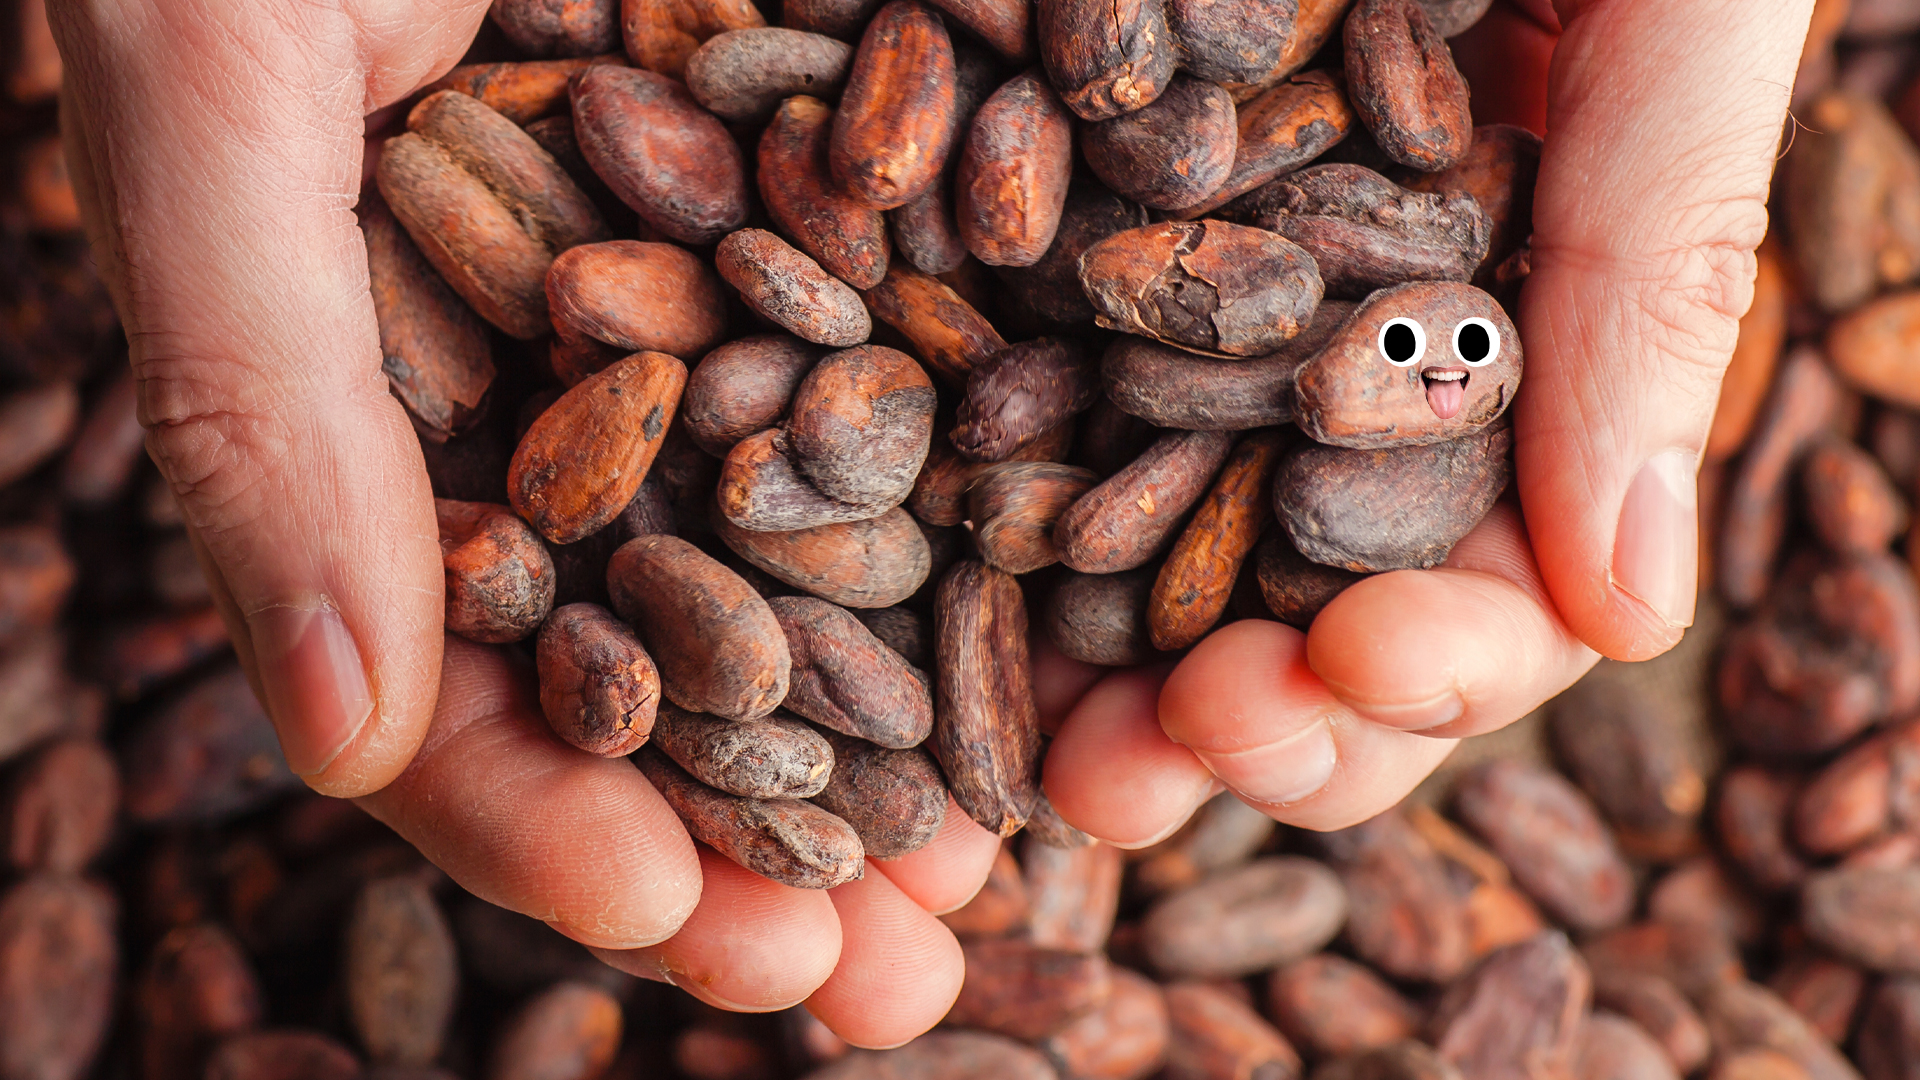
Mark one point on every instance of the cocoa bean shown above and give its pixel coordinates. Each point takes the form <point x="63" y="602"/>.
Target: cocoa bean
<point x="843" y="19"/>
<point x="861" y="564"/>
<point x="743" y="388"/>
<point x="893" y="129"/>
<point x="1073" y="894"/>
<point x="1330" y="1007"/>
<point x="1406" y="1060"/>
<point x="1866" y="792"/>
<point x="1373" y="510"/>
<point x="1866" y="915"/>
<point x="1124" y="1039"/>
<point x="196" y="987"/>
<point x="999" y="908"/>
<point x="661" y="153"/>
<point x="1624" y="736"/>
<point x="1011" y="184"/>
<point x="36" y="577"/>
<point x="718" y="647"/>
<point x="598" y="687"/>
<point x="1277" y="132"/>
<point x="58" y="955"/>
<point x="846" y="679"/>
<point x="60" y="806"/>
<point x="487" y="206"/>
<point x="558" y="27"/>
<point x="1106" y="59"/>
<point x="894" y="799"/>
<point x="1404" y="915"/>
<point x="1206" y="285"/>
<point x="1003" y="24"/>
<point x="1401" y="79"/>
<point x="110" y="444"/>
<point x="1013" y="507"/>
<point x="901" y="630"/>
<point x="1214" y="1036"/>
<point x="1175" y="388"/>
<point x="1692" y="957"/>
<point x="946" y="331"/>
<point x="775" y="758"/>
<point x="1230" y="42"/>
<point x="1825" y="991"/>
<point x="582" y="461"/>
<point x="400" y="974"/>
<point x="1744" y="1016"/>
<point x="1293" y="587"/>
<point x="1048" y="828"/>
<point x="136" y="657"/>
<point x="1174" y="152"/>
<point x="790" y="290"/>
<point x="1870" y="345"/>
<point x="1269" y="912"/>
<point x="208" y="755"/>
<point x="1102" y="618"/>
<point x="785" y="840"/>
<point x="1224" y="832"/>
<point x="523" y="91"/>
<point x="1615" y="1048"/>
<point x="1518" y="1014"/>
<point x="986" y="732"/>
<point x="1024" y="991"/>
<point x="662" y="35"/>
<point x="1889" y="1040"/>
<point x="1124" y="522"/>
<point x="924" y="227"/>
<point x="1851" y="503"/>
<point x="35" y="424"/>
<point x="1190" y="594"/>
<point x="433" y="348"/>
<point x="500" y="580"/>
<point x="1660" y="1009"/>
<point x="1452" y="17"/>
<point x="845" y="235"/>
<point x="637" y="297"/>
<point x="570" y="1031"/>
<point x="1806" y="400"/>
<point x="1700" y="890"/>
<point x="1498" y="171"/>
<point x="1852" y="201"/>
<point x="1020" y="394"/>
<point x="746" y="74"/>
<point x="1548" y="832"/>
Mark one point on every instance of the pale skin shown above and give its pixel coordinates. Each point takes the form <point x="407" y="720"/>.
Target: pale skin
<point x="218" y="148"/>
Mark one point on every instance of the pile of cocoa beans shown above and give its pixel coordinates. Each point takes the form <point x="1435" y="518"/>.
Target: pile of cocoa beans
<point x="775" y="381"/>
<point x="1705" y="865"/>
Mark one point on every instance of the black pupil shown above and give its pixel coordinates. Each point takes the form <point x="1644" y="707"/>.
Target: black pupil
<point x="1474" y="342"/>
<point x="1400" y="343"/>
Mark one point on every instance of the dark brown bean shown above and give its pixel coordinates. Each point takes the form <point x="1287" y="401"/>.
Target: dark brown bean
<point x="1050" y="288"/>
<point x="399" y="972"/>
<point x="1518" y="1014"/>
<point x="1018" y="989"/>
<point x="559" y="27"/>
<point x="1401" y="78"/>
<point x="1129" y="517"/>
<point x="60" y="806"/>
<point x="58" y="955"/>
<point x="1548" y="833"/>
<point x="1013" y="507"/>
<point x="1852" y="201"/>
<point x="1231" y="42"/>
<point x="1269" y="912"/>
<point x="894" y="799"/>
<point x="1172" y="153"/>
<point x="1372" y="510"/>
<point x="1020" y="394"/>
<point x="893" y="131"/>
<point x="774" y="758"/>
<point x="791" y="291"/>
<point x="743" y="388"/>
<point x="1106" y="59"/>
<point x="845" y="235"/>
<point x="1216" y="1036"/>
<point x="210" y="754"/>
<point x="845" y="679"/>
<point x="1827" y="992"/>
<point x="718" y="647"/>
<point x="1207" y="285"/>
<point x="786" y="840"/>
<point x="197" y="986"/>
<point x="1631" y="737"/>
<point x="745" y="74"/>
<point x="1294" y="587"/>
<point x="1102" y="618"/>
<point x="1011" y="185"/>
<point x="1499" y="171"/>
<point x="666" y="157"/>
<point x="986" y="733"/>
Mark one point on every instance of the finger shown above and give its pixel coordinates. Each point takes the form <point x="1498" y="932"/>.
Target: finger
<point x="753" y="945"/>
<point x="1458" y="650"/>
<point x="947" y="872"/>
<point x="899" y="970"/>
<point x="1663" y="123"/>
<point x="218" y="151"/>
<point x="1246" y="703"/>
<point x="526" y="822"/>
<point x="1113" y="772"/>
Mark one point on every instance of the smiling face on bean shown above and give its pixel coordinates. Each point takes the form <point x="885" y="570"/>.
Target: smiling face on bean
<point x="1415" y="364"/>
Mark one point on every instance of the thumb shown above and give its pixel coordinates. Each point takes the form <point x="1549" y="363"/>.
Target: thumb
<point x="217" y="149"/>
<point x="1662" y="125"/>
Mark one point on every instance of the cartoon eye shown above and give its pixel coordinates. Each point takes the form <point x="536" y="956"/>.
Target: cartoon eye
<point x="1403" y="342"/>
<point x="1476" y="342"/>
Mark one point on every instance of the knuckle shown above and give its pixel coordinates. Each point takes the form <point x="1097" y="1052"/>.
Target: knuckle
<point x="217" y="443"/>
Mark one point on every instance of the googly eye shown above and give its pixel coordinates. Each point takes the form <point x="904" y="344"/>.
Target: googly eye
<point x="1403" y="342"/>
<point x="1476" y="342"/>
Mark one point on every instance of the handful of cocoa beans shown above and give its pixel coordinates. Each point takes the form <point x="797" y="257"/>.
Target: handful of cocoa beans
<point x="825" y="358"/>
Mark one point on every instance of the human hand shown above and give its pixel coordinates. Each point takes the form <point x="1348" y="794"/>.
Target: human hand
<point x="1663" y="122"/>
<point x="218" y="149"/>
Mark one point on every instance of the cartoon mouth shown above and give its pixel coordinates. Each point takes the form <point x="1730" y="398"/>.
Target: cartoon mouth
<point x="1446" y="391"/>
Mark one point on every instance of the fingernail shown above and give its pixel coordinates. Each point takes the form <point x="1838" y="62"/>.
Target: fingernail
<point x="699" y="989"/>
<point x="1279" y="773"/>
<point x="316" y="686"/>
<point x="1656" y="548"/>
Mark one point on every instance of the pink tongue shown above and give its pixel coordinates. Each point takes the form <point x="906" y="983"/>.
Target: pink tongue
<point x="1444" y="398"/>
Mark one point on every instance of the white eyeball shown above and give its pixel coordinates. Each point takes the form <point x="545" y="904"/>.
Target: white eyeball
<point x="1476" y="342"/>
<point x="1403" y="342"/>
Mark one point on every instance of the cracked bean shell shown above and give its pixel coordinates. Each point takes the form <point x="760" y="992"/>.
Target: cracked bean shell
<point x="1205" y="285"/>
